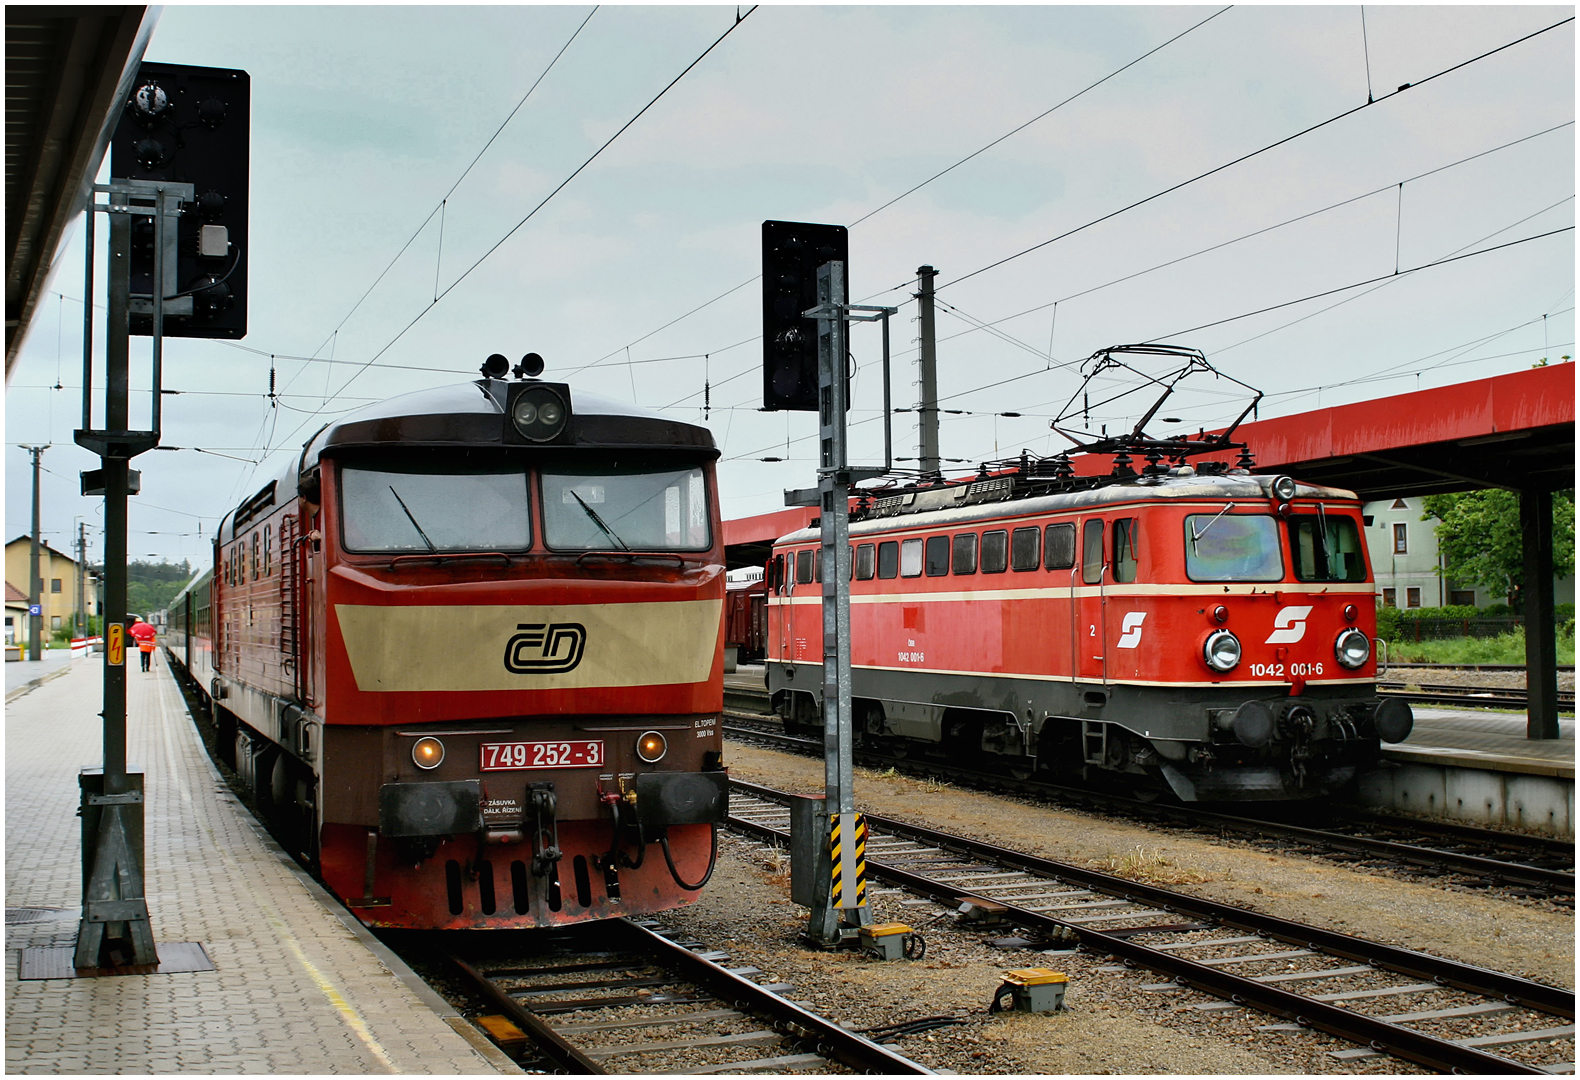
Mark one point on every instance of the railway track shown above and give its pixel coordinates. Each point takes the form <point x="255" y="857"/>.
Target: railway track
<point x="1438" y="1013"/>
<point x="1466" y="698"/>
<point x="631" y="996"/>
<point x="1523" y="866"/>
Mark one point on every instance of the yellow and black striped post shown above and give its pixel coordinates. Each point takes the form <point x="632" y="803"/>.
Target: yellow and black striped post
<point x="848" y="862"/>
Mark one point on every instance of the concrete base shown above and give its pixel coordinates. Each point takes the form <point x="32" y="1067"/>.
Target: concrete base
<point x="1474" y="796"/>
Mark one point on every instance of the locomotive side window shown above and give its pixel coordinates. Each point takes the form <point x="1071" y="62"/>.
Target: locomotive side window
<point x="995" y="551"/>
<point x="1232" y="547"/>
<point x="450" y="504"/>
<point x="256" y="560"/>
<point x="626" y="506"/>
<point x="1058" y="547"/>
<point x="911" y="558"/>
<point x="966" y="553"/>
<point x="1326" y="547"/>
<point x="1092" y="553"/>
<point x="1023" y="551"/>
<point x="937" y="556"/>
<point x="866" y="561"/>
<point x="1126" y="540"/>
<point x="803" y="566"/>
<point x="889" y="559"/>
<point x="268" y="545"/>
<point x="817" y="564"/>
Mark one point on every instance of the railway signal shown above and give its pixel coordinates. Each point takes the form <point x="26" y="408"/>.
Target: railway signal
<point x="792" y="253"/>
<point x="799" y="258"/>
<point x="190" y="125"/>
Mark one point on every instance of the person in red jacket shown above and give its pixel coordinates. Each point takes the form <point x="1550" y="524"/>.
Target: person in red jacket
<point x="144" y="635"/>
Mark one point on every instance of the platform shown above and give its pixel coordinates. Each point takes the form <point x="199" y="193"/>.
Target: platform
<point x="297" y="985"/>
<point x="1476" y="766"/>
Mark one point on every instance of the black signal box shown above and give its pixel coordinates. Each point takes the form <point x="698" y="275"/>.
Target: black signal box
<point x="792" y="253"/>
<point x="190" y="125"/>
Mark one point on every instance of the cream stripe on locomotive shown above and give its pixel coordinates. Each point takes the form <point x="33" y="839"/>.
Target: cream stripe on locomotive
<point x="1127" y="681"/>
<point x="514" y="647"/>
<point x="1064" y="593"/>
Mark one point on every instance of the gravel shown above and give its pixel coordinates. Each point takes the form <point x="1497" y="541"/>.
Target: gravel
<point x="1111" y="1024"/>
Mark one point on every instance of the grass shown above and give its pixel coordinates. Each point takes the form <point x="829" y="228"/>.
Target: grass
<point x="1504" y="649"/>
<point x="1151" y="867"/>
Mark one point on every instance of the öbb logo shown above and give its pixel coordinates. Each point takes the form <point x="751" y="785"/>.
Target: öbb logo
<point x="545" y="648"/>
<point x="1289" y="626"/>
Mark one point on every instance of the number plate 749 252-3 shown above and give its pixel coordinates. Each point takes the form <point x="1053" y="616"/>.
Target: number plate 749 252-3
<point x="580" y="754"/>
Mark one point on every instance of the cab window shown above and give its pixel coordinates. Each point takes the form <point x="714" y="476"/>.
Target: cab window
<point x="1326" y="548"/>
<point x="1125" y="542"/>
<point x="1092" y="553"/>
<point x="1232" y="547"/>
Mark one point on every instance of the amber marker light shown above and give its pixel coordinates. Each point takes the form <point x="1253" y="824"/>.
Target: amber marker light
<point x="428" y="752"/>
<point x="651" y="747"/>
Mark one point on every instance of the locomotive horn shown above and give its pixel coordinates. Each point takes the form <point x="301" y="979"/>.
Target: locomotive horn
<point x="531" y="367"/>
<point x="495" y="367"/>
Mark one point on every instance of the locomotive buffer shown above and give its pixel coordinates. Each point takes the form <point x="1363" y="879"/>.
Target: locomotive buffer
<point x="827" y="850"/>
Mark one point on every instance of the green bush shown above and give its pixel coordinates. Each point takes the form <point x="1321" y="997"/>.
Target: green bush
<point x="1503" y="649"/>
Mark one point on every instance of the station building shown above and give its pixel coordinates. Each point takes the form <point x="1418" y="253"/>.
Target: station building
<point x="57" y="599"/>
<point x="1407" y="563"/>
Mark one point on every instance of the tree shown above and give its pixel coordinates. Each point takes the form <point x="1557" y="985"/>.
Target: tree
<point x="1478" y="533"/>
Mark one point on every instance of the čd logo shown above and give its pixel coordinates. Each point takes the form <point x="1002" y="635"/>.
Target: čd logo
<point x="545" y="648"/>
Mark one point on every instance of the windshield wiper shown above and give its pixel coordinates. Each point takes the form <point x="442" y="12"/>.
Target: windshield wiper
<point x="1195" y="536"/>
<point x="598" y="521"/>
<point x="411" y="518"/>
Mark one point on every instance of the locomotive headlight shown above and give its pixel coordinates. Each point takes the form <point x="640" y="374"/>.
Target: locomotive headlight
<point x="538" y="414"/>
<point x="1352" y="648"/>
<point x="1284" y="488"/>
<point x="651" y="747"/>
<point x="428" y="752"/>
<point x="1222" y="651"/>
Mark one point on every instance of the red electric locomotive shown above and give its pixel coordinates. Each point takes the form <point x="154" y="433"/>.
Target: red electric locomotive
<point x="467" y="653"/>
<point x="1196" y="629"/>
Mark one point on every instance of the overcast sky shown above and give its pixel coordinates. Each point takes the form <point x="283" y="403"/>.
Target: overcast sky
<point x="365" y="117"/>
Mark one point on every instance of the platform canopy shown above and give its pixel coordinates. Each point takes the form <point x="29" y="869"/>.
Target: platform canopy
<point x="1514" y="431"/>
<point x="66" y="70"/>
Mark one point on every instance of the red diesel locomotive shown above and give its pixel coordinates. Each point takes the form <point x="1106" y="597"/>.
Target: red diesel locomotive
<point x="467" y="654"/>
<point x="1200" y="629"/>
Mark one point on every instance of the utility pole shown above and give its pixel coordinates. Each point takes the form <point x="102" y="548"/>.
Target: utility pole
<point x="80" y="616"/>
<point x="927" y="452"/>
<point x="35" y="589"/>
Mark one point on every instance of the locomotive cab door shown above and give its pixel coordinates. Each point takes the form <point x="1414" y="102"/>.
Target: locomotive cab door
<point x="1091" y="635"/>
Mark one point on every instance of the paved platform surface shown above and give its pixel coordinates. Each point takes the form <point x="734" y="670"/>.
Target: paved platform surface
<point x="1484" y="739"/>
<point x="19" y="673"/>
<point x="297" y="987"/>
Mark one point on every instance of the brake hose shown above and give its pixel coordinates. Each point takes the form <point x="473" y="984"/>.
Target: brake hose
<point x="713" y="858"/>
<point x="616" y="857"/>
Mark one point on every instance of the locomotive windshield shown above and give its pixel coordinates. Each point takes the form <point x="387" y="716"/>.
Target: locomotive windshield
<point x="1232" y="547"/>
<point x="624" y="507"/>
<point x="1327" y="547"/>
<point x="444" y="506"/>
